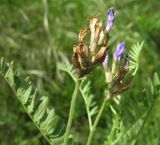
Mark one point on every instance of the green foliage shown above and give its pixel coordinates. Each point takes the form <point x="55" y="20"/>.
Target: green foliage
<point x="25" y="39"/>
<point x="132" y="113"/>
<point x="68" y="69"/>
<point x="134" y="57"/>
<point x="42" y="116"/>
<point x="90" y="103"/>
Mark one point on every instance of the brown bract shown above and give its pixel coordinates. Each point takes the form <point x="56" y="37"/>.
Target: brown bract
<point x="119" y="86"/>
<point x="89" y="54"/>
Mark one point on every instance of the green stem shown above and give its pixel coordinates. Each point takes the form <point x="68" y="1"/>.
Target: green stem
<point x="87" y="108"/>
<point x="75" y="93"/>
<point x="91" y="134"/>
<point x="115" y="123"/>
<point x="89" y="119"/>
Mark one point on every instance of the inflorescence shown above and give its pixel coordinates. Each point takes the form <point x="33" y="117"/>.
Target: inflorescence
<point x="87" y="55"/>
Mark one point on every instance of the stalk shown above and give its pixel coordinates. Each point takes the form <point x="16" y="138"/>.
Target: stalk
<point x="91" y="134"/>
<point x="74" y="97"/>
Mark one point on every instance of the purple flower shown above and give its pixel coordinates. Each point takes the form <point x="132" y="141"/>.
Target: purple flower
<point x="110" y="21"/>
<point x="106" y="60"/>
<point x="118" y="54"/>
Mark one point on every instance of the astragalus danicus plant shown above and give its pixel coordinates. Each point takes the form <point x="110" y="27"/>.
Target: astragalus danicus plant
<point x="119" y="64"/>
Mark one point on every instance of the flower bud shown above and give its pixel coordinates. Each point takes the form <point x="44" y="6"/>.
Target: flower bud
<point x="110" y="20"/>
<point x="118" y="54"/>
<point x="106" y="60"/>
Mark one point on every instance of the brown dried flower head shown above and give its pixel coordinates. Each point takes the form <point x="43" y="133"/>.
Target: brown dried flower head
<point x="89" y="54"/>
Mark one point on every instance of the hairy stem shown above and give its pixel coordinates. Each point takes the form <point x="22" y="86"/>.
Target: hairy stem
<point x="91" y="134"/>
<point x="87" y="108"/>
<point x="89" y="119"/>
<point x="75" y="93"/>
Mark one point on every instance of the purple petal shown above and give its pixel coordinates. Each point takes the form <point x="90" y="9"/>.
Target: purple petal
<point x="110" y="20"/>
<point x="118" y="54"/>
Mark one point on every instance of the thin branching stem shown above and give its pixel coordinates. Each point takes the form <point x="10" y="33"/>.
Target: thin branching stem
<point x="87" y="109"/>
<point x="89" y="119"/>
<point x="74" y="97"/>
<point x="91" y="134"/>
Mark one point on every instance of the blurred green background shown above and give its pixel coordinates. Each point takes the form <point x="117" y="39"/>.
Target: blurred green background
<point x="37" y="34"/>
